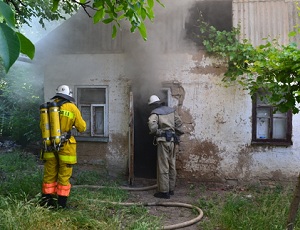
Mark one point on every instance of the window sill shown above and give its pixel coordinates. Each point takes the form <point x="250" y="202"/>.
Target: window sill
<point x="272" y="143"/>
<point x="92" y="139"/>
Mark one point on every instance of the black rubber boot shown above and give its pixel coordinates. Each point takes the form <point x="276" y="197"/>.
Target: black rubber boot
<point x="47" y="200"/>
<point x="62" y="201"/>
<point x="164" y="195"/>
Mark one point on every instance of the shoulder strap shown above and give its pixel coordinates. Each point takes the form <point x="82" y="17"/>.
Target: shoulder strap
<point x="164" y="110"/>
<point x="61" y="102"/>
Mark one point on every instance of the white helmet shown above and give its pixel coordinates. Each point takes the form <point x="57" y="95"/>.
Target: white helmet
<point x="65" y="92"/>
<point x="64" y="89"/>
<point x="153" y="99"/>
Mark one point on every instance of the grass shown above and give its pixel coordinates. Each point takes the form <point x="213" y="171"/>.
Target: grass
<point x="20" y="188"/>
<point x="252" y="208"/>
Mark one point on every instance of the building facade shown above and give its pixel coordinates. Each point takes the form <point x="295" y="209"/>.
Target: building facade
<point x="224" y="140"/>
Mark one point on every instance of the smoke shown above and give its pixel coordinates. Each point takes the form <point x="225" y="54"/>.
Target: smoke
<point x="146" y="60"/>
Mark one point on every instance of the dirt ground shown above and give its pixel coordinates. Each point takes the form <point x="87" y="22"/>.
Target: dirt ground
<point x="185" y="192"/>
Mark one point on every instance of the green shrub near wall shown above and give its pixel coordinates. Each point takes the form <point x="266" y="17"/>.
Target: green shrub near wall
<point x="21" y="93"/>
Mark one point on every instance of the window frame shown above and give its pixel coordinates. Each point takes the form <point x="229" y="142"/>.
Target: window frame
<point x="270" y="141"/>
<point x="92" y="136"/>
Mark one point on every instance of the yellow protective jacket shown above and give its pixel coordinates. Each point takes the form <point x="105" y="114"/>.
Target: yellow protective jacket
<point x="69" y="116"/>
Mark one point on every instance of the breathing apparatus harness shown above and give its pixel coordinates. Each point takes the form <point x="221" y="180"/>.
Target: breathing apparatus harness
<point x="52" y="137"/>
<point x="168" y="134"/>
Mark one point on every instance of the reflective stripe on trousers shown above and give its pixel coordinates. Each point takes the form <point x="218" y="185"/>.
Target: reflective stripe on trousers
<point x="49" y="188"/>
<point x="63" y="190"/>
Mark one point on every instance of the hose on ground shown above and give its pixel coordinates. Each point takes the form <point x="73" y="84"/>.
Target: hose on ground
<point x="121" y="187"/>
<point x="166" y="204"/>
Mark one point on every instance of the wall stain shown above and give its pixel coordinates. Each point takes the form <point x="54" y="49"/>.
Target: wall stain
<point x="244" y="163"/>
<point x="199" y="160"/>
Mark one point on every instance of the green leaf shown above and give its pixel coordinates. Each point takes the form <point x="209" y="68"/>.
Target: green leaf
<point x="107" y="21"/>
<point x="109" y="3"/>
<point x="143" y="30"/>
<point x="27" y="46"/>
<point x="151" y="3"/>
<point x="55" y="5"/>
<point x="143" y="13"/>
<point x="8" y="14"/>
<point x="160" y="3"/>
<point x="99" y="15"/>
<point x="292" y="34"/>
<point x="114" y="32"/>
<point x="9" y="46"/>
<point x="150" y="13"/>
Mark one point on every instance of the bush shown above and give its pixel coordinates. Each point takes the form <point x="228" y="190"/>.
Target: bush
<point x="21" y="94"/>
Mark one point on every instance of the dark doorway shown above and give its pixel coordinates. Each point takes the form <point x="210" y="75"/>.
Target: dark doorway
<point x="144" y="150"/>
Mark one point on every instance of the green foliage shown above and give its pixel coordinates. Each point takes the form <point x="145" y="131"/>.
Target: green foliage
<point x="113" y="11"/>
<point x="20" y="96"/>
<point x="269" y="67"/>
<point x="12" y="42"/>
<point x="25" y="10"/>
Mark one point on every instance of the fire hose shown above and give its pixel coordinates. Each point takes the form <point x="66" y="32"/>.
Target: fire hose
<point x="166" y="204"/>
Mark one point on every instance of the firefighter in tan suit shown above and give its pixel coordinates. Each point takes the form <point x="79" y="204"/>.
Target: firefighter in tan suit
<point x="166" y="125"/>
<point x="59" y="161"/>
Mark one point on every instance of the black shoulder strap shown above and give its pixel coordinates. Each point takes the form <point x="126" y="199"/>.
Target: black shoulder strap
<point x="61" y="102"/>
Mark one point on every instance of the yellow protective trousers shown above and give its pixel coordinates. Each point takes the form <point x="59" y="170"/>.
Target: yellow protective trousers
<point x="57" y="176"/>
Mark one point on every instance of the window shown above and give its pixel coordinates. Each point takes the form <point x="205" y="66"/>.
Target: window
<point x="92" y="102"/>
<point x="270" y="126"/>
<point x="165" y="95"/>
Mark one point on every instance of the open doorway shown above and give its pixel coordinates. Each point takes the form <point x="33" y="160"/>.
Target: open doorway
<point x="144" y="150"/>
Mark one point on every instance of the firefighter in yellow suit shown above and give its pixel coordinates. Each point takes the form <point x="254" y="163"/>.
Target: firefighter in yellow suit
<point x="58" y="164"/>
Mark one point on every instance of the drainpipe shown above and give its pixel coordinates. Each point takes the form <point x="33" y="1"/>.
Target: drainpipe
<point x="131" y="141"/>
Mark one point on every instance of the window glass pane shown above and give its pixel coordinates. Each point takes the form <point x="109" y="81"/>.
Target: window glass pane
<point x="279" y="114"/>
<point x="91" y="95"/>
<point x="263" y="123"/>
<point x="98" y="120"/>
<point x="263" y="112"/>
<point x="86" y="115"/>
<point x="279" y="128"/>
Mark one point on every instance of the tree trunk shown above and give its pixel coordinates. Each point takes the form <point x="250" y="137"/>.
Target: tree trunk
<point x="294" y="207"/>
